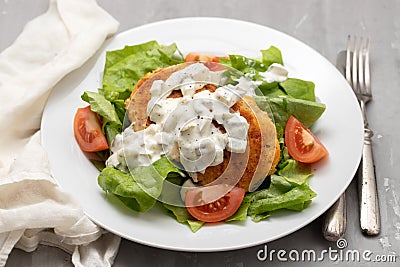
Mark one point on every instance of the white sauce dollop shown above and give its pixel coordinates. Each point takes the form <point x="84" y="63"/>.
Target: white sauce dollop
<point x="275" y="73"/>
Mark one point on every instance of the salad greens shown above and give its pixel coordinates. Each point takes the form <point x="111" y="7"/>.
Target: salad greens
<point x="182" y="215"/>
<point x="140" y="188"/>
<point x="286" y="189"/>
<point x="280" y="108"/>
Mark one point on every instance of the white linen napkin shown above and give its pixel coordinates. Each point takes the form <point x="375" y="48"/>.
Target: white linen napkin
<point x="33" y="208"/>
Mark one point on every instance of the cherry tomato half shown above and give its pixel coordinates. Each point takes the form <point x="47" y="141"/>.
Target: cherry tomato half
<point x="217" y="210"/>
<point x="211" y="61"/>
<point x="87" y="131"/>
<point x="302" y="144"/>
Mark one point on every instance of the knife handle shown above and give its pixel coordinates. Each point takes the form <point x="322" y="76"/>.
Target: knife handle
<point x="369" y="205"/>
<point x="335" y="220"/>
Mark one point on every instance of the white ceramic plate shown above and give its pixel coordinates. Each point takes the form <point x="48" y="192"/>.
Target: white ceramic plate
<point x="340" y="129"/>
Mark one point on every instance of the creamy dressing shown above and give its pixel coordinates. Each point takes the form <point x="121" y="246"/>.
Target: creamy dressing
<point x="275" y="73"/>
<point x="187" y="129"/>
<point x="141" y="148"/>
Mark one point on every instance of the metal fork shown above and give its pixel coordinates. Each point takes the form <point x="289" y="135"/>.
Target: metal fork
<point x="358" y="75"/>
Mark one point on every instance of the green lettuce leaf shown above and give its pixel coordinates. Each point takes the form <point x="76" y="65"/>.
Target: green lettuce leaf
<point x="182" y="215"/>
<point x="100" y="105"/>
<point x="115" y="56"/>
<point x="259" y="217"/>
<point x="296" y="172"/>
<point x="124" y="186"/>
<point x="293" y="198"/>
<point x="246" y="65"/>
<point x="271" y="89"/>
<point x="281" y="194"/>
<point x="125" y="67"/>
<point x="151" y="177"/>
<point x="271" y="55"/>
<point x="140" y="188"/>
<point x="241" y="213"/>
<point x="278" y="186"/>
<point x="111" y="130"/>
<point x="308" y="112"/>
<point x="299" y="89"/>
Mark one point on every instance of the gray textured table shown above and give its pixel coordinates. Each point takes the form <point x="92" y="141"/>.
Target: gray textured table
<point x="322" y="24"/>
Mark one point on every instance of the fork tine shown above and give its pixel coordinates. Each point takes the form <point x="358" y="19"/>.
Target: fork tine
<point x="348" y="61"/>
<point x="354" y="66"/>
<point x="361" y="84"/>
<point x="367" y="70"/>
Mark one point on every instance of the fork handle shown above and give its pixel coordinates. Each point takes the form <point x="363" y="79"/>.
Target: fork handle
<point x="335" y="220"/>
<point x="369" y="206"/>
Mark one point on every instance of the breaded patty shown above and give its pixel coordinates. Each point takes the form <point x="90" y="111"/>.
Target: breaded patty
<point x="247" y="170"/>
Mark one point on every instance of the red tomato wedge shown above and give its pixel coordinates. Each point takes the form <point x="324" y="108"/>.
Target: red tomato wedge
<point x="302" y="144"/>
<point x="211" y="61"/>
<point x="217" y="210"/>
<point x="87" y="131"/>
